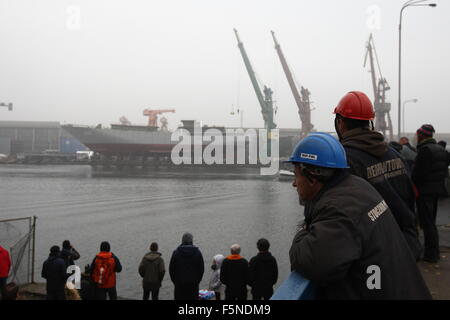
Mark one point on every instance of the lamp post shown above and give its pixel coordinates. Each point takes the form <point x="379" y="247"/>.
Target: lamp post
<point x="404" y="103"/>
<point x="410" y="3"/>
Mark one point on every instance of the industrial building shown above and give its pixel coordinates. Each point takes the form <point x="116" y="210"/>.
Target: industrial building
<point x="35" y="137"/>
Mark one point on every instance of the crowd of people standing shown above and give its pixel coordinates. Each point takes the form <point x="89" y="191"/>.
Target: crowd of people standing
<point x="229" y="277"/>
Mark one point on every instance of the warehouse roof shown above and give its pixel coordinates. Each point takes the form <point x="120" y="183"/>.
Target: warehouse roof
<point x="29" y="124"/>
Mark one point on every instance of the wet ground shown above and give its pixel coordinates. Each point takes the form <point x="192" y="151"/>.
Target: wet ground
<point x="437" y="275"/>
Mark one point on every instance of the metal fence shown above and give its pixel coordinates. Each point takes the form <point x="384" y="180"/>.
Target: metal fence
<point x="18" y="235"/>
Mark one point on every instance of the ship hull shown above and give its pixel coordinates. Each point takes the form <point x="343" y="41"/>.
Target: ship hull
<point x="122" y="142"/>
<point x="151" y="149"/>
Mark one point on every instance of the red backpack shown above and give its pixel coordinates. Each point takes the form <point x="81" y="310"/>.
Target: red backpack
<point x="104" y="274"/>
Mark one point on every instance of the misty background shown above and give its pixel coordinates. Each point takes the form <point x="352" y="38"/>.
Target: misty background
<point x="90" y="62"/>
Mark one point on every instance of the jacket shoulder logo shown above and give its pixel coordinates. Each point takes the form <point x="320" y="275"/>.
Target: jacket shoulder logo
<point x="376" y="212"/>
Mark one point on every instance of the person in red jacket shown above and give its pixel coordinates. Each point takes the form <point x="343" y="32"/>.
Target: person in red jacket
<point x="5" y="266"/>
<point x="103" y="272"/>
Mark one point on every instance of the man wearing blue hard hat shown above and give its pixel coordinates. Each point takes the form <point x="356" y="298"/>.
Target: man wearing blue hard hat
<point x="350" y="246"/>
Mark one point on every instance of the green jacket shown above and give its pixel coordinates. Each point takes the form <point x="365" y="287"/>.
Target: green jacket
<point x="152" y="270"/>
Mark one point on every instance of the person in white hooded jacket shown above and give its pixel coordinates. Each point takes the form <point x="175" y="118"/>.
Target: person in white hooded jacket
<point x="214" y="283"/>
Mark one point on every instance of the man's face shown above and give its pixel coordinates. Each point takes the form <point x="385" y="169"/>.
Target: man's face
<point x="403" y="141"/>
<point x="303" y="185"/>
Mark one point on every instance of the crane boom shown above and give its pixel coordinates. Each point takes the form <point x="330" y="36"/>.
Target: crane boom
<point x="304" y="109"/>
<point x="265" y="101"/>
<point x="380" y="86"/>
<point x="372" y="67"/>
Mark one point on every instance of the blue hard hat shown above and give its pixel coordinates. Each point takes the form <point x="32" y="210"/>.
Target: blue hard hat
<point x="321" y="150"/>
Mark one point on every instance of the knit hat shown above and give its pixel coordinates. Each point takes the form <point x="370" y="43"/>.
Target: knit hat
<point x="426" y="130"/>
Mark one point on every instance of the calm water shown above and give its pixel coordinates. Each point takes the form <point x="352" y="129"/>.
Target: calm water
<point x="130" y="211"/>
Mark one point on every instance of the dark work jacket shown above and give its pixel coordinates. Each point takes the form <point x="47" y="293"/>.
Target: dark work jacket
<point x="54" y="271"/>
<point x="186" y="266"/>
<point x="69" y="256"/>
<point x="348" y="230"/>
<point x="370" y="158"/>
<point x="234" y="274"/>
<point x="262" y="273"/>
<point x="152" y="270"/>
<point x="431" y="168"/>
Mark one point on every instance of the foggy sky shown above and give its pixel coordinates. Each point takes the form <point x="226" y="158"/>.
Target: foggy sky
<point x="125" y="56"/>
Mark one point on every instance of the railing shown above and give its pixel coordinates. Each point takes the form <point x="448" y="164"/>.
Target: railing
<point x="295" y="287"/>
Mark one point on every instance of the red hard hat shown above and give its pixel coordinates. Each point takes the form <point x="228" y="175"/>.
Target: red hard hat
<point x="355" y="105"/>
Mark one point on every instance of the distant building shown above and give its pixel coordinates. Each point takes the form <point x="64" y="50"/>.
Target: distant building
<point x="36" y="136"/>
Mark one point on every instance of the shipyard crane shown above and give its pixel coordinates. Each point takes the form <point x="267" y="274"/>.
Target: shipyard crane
<point x="380" y="86"/>
<point x="153" y="115"/>
<point x="301" y="98"/>
<point x="265" y="101"/>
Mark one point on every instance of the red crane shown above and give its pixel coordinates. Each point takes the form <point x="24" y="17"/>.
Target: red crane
<point x="301" y="98"/>
<point x="153" y="115"/>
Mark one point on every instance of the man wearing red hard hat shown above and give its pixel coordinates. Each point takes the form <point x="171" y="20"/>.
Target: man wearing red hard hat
<point x="370" y="158"/>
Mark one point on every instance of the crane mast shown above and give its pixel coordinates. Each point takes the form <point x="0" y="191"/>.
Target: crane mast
<point x="372" y="67"/>
<point x="302" y="101"/>
<point x="380" y="86"/>
<point x="265" y="101"/>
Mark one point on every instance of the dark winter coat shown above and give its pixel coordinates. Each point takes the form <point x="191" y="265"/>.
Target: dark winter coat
<point x="87" y="290"/>
<point x="186" y="266"/>
<point x="70" y="256"/>
<point x="409" y="153"/>
<point x="348" y="230"/>
<point x="262" y="274"/>
<point x="431" y="168"/>
<point x="370" y="158"/>
<point x="54" y="271"/>
<point x="234" y="274"/>
<point x="152" y="271"/>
